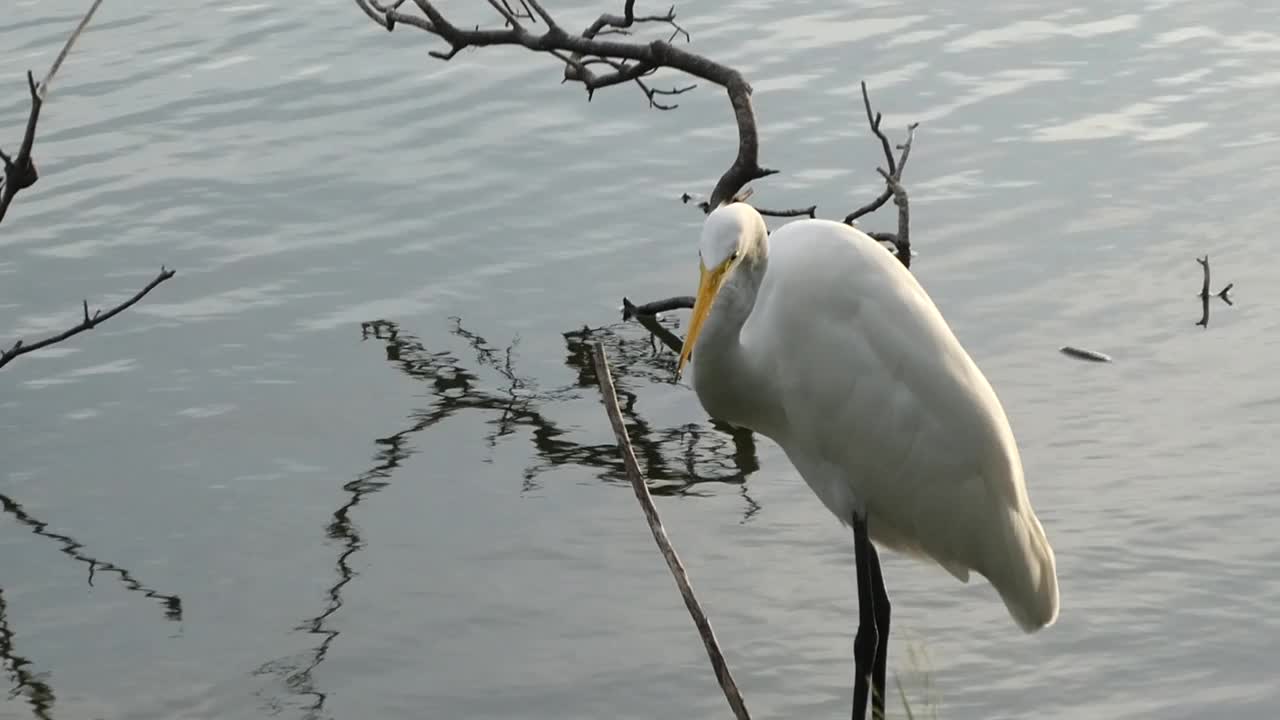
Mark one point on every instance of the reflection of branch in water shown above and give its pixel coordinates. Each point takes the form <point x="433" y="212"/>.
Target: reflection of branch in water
<point x="670" y="455"/>
<point x="25" y="682"/>
<point x="516" y="404"/>
<point x="519" y="404"/>
<point x="72" y="548"/>
<point x="298" y="673"/>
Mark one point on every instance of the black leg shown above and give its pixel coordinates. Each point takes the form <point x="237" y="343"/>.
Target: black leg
<point x="881" y="605"/>
<point x="865" y="642"/>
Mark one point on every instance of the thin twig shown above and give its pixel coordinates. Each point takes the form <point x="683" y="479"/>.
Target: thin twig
<point x="679" y="302"/>
<point x="870" y="207"/>
<point x="20" y="172"/>
<point x="1204" y="295"/>
<point x="893" y="184"/>
<point x="811" y="211"/>
<point x="66" y="48"/>
<point x="704" y="204"/>
<point x="647" y="314"/>
<point x="22" y="348"/>
<point x="902" y="241"/>
<point x="641" y="488"/>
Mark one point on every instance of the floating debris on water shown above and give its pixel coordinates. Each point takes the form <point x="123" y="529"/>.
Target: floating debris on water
<point x="1083" y="354"/>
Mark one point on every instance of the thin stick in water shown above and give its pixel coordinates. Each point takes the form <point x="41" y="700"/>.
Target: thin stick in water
<point x="721" y="668"/>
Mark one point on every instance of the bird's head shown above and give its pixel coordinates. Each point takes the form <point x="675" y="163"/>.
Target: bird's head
<point x="732" y="233"/>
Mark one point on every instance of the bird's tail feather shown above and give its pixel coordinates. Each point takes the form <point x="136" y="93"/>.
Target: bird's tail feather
<point x="1027" y="578"/>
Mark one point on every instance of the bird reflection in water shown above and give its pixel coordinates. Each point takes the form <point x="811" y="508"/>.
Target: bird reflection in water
<point x="35" y="686"/>
<point x="677" y="460"/>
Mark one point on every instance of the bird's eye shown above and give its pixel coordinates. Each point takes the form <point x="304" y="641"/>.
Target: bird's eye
<point x="735" y="255"/>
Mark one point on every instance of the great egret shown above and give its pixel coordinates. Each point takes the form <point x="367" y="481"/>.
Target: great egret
<point x="818" y="338"/>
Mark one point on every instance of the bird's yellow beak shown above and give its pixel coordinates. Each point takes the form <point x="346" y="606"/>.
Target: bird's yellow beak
<point x="709" y="282"/>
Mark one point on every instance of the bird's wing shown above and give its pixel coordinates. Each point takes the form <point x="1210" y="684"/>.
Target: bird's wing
<point x="876" y="392"/>
<point x="880" y="409"/>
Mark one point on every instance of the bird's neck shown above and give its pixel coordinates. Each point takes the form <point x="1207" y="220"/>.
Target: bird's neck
<point x="723" y="374"/>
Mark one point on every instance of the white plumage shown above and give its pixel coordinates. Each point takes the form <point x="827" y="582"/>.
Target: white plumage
<point x="819" y="339"/>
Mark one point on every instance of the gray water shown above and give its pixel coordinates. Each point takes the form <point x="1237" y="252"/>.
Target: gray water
<point x="351" y="461"/>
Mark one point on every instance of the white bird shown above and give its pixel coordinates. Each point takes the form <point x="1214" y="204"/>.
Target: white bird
<point x="818" y="338"/>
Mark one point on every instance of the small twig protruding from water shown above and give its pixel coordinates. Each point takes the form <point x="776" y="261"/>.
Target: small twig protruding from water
<point x="1204" y="289"/>
<point x="1204" y="295"/>
<point x="641" y="488"/>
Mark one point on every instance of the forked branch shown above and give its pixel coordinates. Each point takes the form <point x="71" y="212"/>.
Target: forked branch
<point x="1204" y="289"/>
<point x="581" y="53"/>
<point x="893" y="184"/>
<point x="89" y="322"/>
<point x="20" y="173"/>
<point x="647" y="315"/>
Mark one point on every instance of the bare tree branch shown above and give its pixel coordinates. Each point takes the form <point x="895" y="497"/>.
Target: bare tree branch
<point x="641" y="488"/>
<point x="624" y="23"/>
<point x="893" y="184"/>
<point x="633" y="61"/>
<point x="811" y="211"/>
<point x="680" y="302"/>
<point x="629" y="61"/>
<point x="22" y="348"/>
<point x="20" y="172"/>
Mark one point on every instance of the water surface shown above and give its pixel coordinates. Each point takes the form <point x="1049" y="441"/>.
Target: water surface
<point x="351" y="461"/>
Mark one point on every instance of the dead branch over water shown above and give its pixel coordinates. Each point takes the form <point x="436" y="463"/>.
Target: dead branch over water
<point x="20" y="174"/>
<point x="21" y="347"/>
<point x="627" y="62"/>
<point x="632" y="61"/>
<point x="582" y="53"/>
